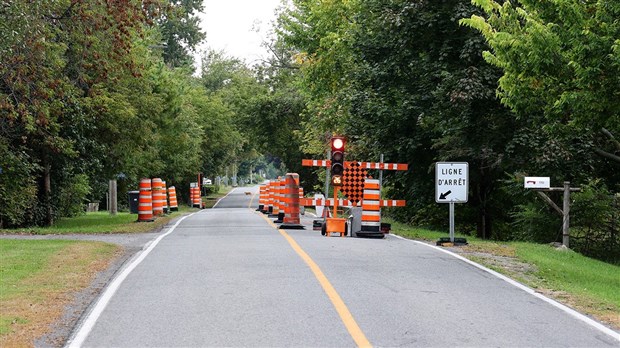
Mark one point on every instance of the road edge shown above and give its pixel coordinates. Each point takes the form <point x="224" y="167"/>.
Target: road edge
<point x="582" y="317"/>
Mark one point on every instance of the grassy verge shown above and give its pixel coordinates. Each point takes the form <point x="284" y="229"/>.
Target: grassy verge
<point x="37" y="279"/>
<point x="102" y="222"/>
<point x="588" y="285"/>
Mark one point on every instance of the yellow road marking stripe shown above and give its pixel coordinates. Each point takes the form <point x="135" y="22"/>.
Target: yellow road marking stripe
<point x="251" y="200"/>
<point x="344" y="313"/>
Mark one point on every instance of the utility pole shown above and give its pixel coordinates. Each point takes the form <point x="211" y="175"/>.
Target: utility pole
<point x="113" y="201"/>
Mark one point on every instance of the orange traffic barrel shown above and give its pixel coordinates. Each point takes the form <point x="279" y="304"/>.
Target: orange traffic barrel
<point x="172" y="196"/>
<point x="290" y="202"/>
<point x="270" y="197"/>
<point x="262" y="197"/>
<point x="145" y="201"/>
<point x="371" y="208"/>
<point x="165" y="197"/>
<point x="158" y="197"/>
<point x="196" y="199"/>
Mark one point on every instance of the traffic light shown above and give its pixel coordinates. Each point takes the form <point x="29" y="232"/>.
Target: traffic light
<point x="337" y="160"/>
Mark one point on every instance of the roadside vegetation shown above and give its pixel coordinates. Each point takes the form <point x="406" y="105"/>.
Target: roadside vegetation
<point x="38" y="278"/>
<point x="588" y="285"/>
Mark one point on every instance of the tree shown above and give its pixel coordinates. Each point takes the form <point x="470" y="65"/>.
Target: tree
<point x="560" y="63"/>
<point x="181" y="33"/>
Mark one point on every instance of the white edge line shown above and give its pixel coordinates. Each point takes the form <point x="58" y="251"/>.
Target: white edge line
<point x="527" y="289"/>
<point x="88" y="324"/>
<point x="218" y="201"/>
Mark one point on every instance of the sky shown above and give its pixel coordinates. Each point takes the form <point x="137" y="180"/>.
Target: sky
<point x="229" y="26"/>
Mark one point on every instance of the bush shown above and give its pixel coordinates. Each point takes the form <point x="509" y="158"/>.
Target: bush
<point x="17" y="185"/>
<point x="595" y="222"/>
<point x="72" y="195"/>
<point x="210" y="189"/>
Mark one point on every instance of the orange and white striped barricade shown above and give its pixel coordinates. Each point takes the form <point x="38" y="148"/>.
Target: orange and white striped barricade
<point x="145" y="202"/>
<point x="172" y="196"/>
<point x="290" y="200"/>
<point x="371" y="208"/>
<point x="158" y="199"/>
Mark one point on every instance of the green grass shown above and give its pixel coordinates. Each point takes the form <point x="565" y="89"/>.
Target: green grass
<point x="588" y="279"/>
<point x="39" y="274"/>
<point x="101" y="222"/>
<point x="20" y="259"/>
<point x="411" y="232"/>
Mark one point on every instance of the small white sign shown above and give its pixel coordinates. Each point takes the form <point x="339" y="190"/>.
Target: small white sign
<point x="451" y="182"/>
<point x="537" y="182"/>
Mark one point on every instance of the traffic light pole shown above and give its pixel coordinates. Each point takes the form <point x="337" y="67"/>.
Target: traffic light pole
<point x="327" y="175"/>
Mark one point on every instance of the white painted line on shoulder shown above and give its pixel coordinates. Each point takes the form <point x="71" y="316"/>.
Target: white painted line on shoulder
<point x="527" y="289"/>
<point x="218" y="201"/>
<point x="87" y="325"/>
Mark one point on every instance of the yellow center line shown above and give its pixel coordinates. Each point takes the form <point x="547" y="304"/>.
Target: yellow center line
<point x="344" y="313"/>
<point x="252" y="200"/>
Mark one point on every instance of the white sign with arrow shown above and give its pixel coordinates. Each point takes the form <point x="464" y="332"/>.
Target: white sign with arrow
<point x="451" y="182"/>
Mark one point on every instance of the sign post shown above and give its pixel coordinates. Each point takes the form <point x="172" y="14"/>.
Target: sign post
<point x="451" y="186"/>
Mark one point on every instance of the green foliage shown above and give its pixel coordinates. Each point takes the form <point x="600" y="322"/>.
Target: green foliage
<point x="560" y="65"/>
<point x="87" y="95"/>
<point x="595" y="222"/>
<point x="181" y="33"/>
<point x="17" y="186"/>
<point x="72" y="195"/>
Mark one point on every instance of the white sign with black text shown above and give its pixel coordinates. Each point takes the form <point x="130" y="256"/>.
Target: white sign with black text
<point x="451" y="182"/>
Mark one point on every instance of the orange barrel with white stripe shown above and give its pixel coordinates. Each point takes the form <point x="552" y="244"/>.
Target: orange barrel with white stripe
<point x="191" y="195"/>
<point x="145" y="201"/>
<point x="158" y="204"/>
<point x="270" y="196"/>
<point x="197" y="201"/>
<point x="290" y="200"/>
<point x="172" y="196"/>
<point x="165" y="197"/>
<point x="276" y="197"/>
<point x="302" y="209"/>
<point x="261" y="197"/>
<point x="371" y="209"/>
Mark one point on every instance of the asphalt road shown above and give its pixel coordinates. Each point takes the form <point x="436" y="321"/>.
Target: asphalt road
<point x="227" y="277"/>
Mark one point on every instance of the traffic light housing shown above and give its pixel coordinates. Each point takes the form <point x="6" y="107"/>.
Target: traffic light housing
<point x="337" y="160"/>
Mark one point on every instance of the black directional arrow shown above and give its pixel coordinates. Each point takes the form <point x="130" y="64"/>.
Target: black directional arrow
<point x="445" y="195"/>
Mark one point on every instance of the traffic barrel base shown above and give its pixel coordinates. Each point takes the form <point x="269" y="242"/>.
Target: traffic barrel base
<point x="445" y="242"/>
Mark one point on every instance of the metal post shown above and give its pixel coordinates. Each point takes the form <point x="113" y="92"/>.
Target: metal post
<point x="565" y="214"/>
<point x="452" y="222"/>
<point x="327" y="176"/>
<point x="381" y="171"/>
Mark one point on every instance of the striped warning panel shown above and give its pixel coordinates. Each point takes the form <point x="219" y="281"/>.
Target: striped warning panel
<point x="384" y="166"/>
<point x="365" y="165"/>
<point x="393" y="203"/>
<point x="307" y="202"/>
